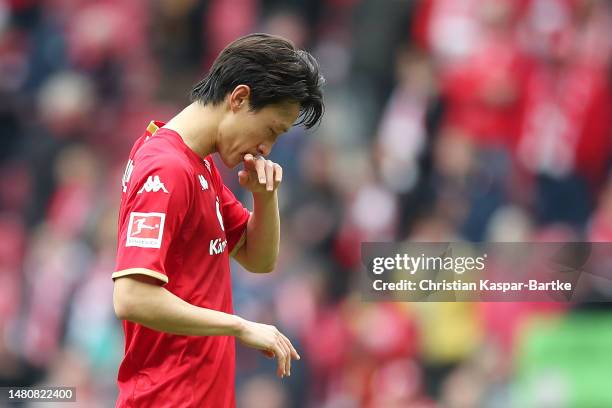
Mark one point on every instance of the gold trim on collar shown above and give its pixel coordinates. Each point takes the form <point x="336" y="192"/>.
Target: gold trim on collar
<point x="152" y="128"/>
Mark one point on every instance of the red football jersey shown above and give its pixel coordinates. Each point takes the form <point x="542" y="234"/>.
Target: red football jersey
<point x="178" y="220"/>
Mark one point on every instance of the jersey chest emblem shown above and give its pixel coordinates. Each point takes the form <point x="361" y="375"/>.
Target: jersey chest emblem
<point x="218" y="245"/>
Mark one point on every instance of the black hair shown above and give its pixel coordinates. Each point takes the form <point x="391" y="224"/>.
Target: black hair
<point x="274" y="70"/>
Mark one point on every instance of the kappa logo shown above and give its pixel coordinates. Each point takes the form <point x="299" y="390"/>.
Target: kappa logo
<point x="207" y="164"/>
<point x="203" y="182"/>
<point x="217" y="246"/>
<point x="153" y="184"/>
<point x="145" y="230"/>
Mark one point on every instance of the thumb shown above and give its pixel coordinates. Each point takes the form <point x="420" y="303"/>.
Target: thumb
<point x="269" y="354"/>
<point x="243" y="177"/>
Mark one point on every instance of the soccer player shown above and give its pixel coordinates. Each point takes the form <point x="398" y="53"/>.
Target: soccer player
<point x="179" y="224"/>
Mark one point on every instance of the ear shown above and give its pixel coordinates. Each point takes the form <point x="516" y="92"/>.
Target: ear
<point x="239" y="98"/>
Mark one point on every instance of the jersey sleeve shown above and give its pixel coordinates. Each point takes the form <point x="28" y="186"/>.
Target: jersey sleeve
<point x="151" y="216"/>
<point x="235" y="219"/>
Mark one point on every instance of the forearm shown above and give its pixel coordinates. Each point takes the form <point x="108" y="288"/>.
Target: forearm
<point x="159" y="309"/>
<point x="263" y="233"/>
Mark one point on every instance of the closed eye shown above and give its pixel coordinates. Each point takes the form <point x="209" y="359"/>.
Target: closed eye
<point x="273" y="135"/>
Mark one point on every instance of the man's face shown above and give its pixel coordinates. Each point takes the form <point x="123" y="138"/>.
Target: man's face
<point x="245" y="131"/>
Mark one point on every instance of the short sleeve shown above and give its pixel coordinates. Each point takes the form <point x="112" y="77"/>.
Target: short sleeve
<point x="151" y="216"/>
<point x="235" y="219"/>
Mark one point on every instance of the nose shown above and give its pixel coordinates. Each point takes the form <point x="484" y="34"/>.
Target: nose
<point x="264" y="149"/>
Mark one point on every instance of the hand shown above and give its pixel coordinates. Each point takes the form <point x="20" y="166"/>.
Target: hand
<point x="271" y="342"/>
<point x="260" y="175"/>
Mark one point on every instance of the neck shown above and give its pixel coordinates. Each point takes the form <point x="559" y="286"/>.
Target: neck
<point x="198" y="127"/>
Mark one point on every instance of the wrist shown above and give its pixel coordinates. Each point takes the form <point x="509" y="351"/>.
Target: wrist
<point x="265" y="196"/>
<point x="238" y="326"/>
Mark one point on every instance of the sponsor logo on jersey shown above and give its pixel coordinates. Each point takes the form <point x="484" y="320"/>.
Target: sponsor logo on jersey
<point x="145" y="230"/>
<point x="203" y="182"/>
<point x="153" y="184"/>
<point x="219" y="217"/>
<point x="129" y="168"/>
<point x="217" y="246"/>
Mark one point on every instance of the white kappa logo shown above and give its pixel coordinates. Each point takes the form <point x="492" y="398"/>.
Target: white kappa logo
<point x="145" y="230"/>
<point x="153" y="184"/>
<point x="203" y="182"/>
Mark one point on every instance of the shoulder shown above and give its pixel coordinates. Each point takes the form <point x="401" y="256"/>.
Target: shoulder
<point x="161" y="155"/>
<point x="155" y="171"/>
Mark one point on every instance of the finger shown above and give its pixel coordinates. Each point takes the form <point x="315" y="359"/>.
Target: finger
<point x="294" y="352"/>
<point x="288" y="358"/>
<point x="269" y="175"/>
<point x="287" y="350"/>
<point x="278" y="173"/>
<point x="260" y="168"/>
<point x="243" y="177"/>
<point x="267" y="353"/>
<point x="249" y="162"/>
<point x="279" y="352"/>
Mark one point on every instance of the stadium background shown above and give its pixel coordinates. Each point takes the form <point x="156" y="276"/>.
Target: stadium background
<point x="446" y="120"/>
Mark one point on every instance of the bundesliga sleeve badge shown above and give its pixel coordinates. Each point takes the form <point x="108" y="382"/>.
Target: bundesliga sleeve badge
<point x="145" y="230"/>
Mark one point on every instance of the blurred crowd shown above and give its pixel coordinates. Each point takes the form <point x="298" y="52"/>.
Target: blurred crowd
<point x="446" y="120"/>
